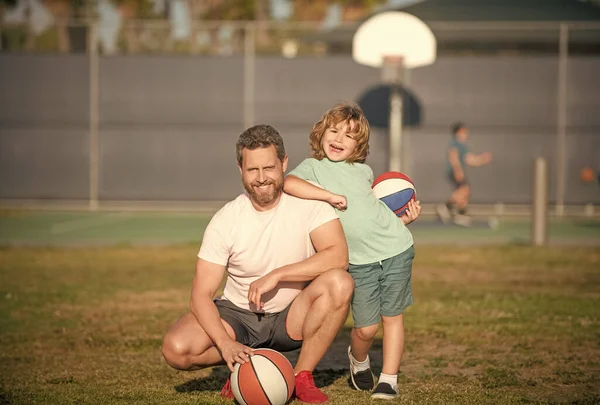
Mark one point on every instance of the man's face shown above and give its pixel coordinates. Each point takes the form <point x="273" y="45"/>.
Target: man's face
<point x="463" y="134"/>
<point x="262" y="176"/>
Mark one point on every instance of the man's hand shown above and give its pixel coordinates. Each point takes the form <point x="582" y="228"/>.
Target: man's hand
<point x="412" y="212"/>
<point x="260" y="287"/>
<point x="337" y="201"/>
<point x="486" y="157"/>
<point x="234" y="352"/>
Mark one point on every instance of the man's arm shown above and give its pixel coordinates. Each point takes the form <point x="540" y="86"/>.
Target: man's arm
<point x="473" y="159"/>
<point x="303" y="189"/>
<point x="332" y="253"/>
<point x="206" y="282"/>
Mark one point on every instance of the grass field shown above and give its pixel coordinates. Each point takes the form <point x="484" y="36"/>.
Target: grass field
<point x="498" y="324"/>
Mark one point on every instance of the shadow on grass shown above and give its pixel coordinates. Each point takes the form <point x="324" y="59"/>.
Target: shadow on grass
<point x="218" y="376"/>
<point x="214" y="382"/>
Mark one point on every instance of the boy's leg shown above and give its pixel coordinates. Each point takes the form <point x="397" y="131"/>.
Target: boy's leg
<point x="396" y="297"/>
<point x="393" y="343"/>
<point x="366" y="309"/>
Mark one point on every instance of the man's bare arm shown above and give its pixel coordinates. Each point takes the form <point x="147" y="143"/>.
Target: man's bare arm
<point x="473" y="159"/>
<point x="206" y="282"/>
<point x="332" y="253"/>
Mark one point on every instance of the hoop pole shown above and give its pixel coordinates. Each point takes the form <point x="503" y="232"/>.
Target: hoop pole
<point x="392" y="74"/>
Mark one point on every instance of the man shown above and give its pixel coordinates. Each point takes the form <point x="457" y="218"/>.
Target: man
<point x="458" y="158"/>
<point x="287" y="285"/>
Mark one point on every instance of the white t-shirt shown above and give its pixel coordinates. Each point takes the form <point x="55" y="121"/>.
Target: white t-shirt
<point x="251" y="244"/>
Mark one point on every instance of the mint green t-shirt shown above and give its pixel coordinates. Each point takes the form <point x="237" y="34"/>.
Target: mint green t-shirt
<point x="373" y="231"/>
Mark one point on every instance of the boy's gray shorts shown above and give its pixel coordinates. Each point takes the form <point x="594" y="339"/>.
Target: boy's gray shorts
<point x="257" y="329"/>
<point x="382" y="288"/>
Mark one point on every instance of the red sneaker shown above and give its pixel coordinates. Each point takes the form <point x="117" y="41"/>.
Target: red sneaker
<point x="306" y="391"/>
<point x="226" y="390"/>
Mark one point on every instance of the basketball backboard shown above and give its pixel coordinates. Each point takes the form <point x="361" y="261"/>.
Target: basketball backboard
<point x="394" y="34"/>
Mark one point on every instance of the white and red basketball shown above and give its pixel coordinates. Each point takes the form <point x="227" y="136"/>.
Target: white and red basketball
<point x="267" y="379"/>
<point x="396" y="190"/>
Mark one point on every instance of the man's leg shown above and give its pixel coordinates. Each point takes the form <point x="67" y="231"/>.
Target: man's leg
<point x="462" y="195"/>
<point x="315" y="317"/>
<point x="317" y="314"/>
<point x="187" y="347"/>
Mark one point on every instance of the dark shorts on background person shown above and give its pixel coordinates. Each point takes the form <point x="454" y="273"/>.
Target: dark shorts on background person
<point x="382" y="288"/>
<point x="256" y="329"/>
<point x="455" y="183"/>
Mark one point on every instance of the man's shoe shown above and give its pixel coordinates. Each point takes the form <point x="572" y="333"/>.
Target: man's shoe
<point x="384" y="391"/>
<point x="362" y="380"/>
<point x="462" y="220"/>
<point x="443" y="213"/>
<point x="307" y="391"/>
<point x="226" y="390"/>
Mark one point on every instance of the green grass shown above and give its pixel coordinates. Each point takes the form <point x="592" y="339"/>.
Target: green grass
<point x="490" y="325"/>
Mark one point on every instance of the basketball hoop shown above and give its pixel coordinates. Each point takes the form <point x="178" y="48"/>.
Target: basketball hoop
<point x="394" y="41"/>
<point x="392" y="69"/>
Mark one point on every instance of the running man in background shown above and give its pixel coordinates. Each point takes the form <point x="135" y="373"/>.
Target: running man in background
<point x="459" y="158"/>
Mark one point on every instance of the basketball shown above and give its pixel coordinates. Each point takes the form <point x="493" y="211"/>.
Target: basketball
<point x="396" y="190"/>
<point x="267" y="379"/>
<point x="587" y="175"/>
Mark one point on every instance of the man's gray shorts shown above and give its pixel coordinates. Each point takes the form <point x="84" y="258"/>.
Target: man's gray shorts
<point x="257" y="329"/>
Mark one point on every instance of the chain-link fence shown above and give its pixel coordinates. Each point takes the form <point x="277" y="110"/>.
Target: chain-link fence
<point x="153" y="115"/>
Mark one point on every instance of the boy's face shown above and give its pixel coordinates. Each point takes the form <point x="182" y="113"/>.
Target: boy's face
<point x="262" y="176"/>
<point x="339" y="141"/>
<point x="462" y="134"/>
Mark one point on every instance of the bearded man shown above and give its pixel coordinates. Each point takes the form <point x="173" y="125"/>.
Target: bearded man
<point x="287" y="286"/>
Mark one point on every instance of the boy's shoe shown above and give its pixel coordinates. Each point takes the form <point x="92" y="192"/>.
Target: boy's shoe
<point x="307" y="391"/>
<point x="226" y="390"/>
<point x="384" y="391"/>
<point x="462" y="220"/>
<point x="362" y="380"/>
<point x="443" y="213"/>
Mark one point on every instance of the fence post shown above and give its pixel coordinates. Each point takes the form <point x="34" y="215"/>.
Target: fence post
<point x="539" y="205"/>
<point x="561" y="136"/>
<point x="249" y="73"/>
<point x="94" y="112"/>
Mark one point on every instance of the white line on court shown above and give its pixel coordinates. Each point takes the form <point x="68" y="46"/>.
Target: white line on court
<point x="87" y="223"/>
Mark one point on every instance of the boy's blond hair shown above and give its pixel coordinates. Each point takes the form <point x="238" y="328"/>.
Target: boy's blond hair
<point x="351" y="114"/>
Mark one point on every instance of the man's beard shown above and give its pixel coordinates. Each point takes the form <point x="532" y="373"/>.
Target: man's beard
<point x="263" y="199"/>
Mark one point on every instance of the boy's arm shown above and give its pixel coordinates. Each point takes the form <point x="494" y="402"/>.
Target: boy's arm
<point x="303" y="189"/>
<point x="481" y="159"/>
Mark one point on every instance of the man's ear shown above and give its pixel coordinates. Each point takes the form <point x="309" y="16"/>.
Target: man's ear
<point x="284" y="163"/>
<point x="240" y="167"/>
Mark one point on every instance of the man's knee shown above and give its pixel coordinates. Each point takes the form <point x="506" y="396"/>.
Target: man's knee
<point x="340" y="287"/>
<point x="174" y="351"/>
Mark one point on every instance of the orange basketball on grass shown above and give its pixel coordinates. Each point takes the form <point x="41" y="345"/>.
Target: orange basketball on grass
<point x="587" y="175"/>
<point x="267" y="379"/>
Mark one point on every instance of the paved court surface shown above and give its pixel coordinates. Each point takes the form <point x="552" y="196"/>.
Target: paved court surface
<point x="80" y="228"/>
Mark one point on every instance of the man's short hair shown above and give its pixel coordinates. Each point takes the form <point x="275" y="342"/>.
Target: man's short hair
<point x="457" y="126"/>
<point x="259" y="136"/>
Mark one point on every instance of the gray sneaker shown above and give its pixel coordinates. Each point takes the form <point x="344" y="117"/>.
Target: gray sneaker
<point x="384" y="391"/>
<point x="362" y="380"/>
<point x="443" y="213"/>
<point x="462" y="220"/>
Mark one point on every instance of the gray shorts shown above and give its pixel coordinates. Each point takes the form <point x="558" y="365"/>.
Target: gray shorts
<point x="382" y="288"/>
<point x="257" y="329"/>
